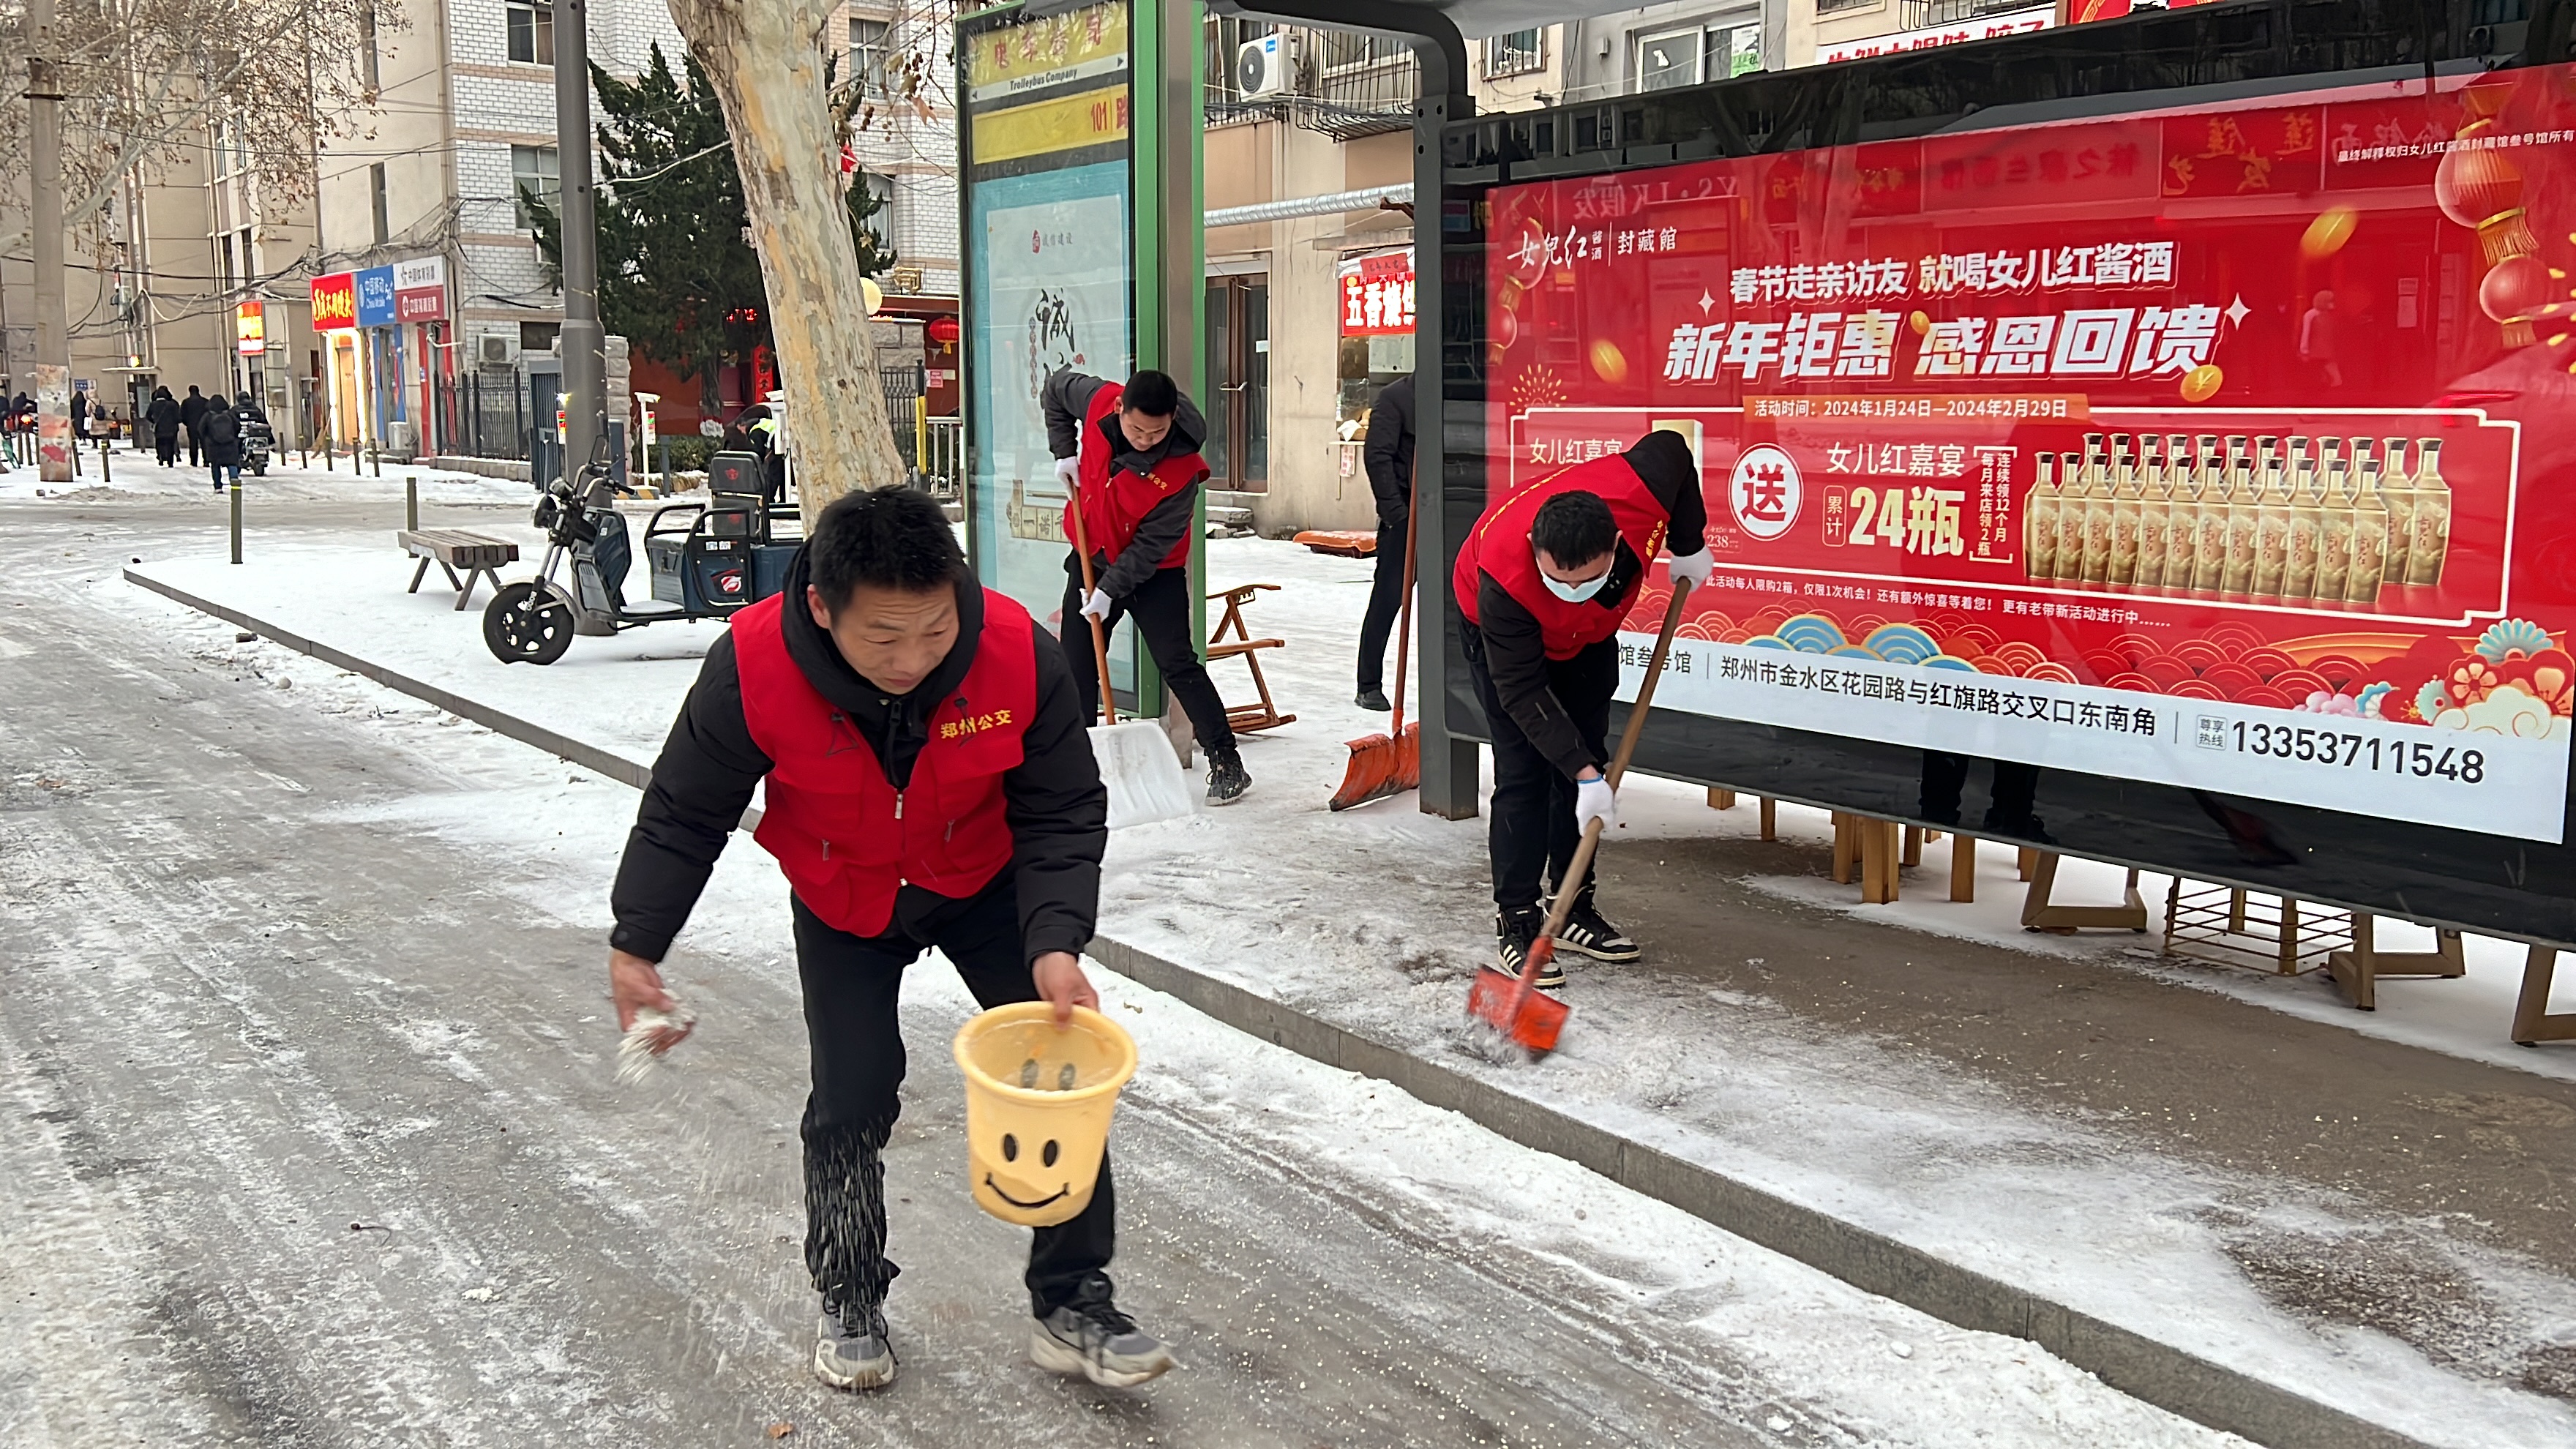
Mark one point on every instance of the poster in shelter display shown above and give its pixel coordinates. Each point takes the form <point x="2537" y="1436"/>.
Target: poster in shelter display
<point x="2228" y="448"/>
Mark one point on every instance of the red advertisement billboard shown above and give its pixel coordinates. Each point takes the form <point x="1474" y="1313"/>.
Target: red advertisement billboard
<point x="2224" y="448"/>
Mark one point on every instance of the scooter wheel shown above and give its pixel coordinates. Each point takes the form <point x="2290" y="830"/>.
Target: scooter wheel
<point x="527" y="623"/>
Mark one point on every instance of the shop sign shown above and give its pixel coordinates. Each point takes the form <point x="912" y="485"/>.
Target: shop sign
<point x="1982" y="27"/>
<point x="250" y="328"/>
<point x="375" y="296"/>
<point x="1377" y="295"/>
<point x="335" y="302"/>
<point x="2226" y="459"/>
<point x="420" y="290"/>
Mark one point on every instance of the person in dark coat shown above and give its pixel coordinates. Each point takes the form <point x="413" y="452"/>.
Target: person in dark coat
<point x="1389" y="454"/>
<point x="219" y="435"/>
<point x="163" y="415"/>
<point x="191" y="408"/>
<point x="80" y="416"/>
<point x="884" y="670"/>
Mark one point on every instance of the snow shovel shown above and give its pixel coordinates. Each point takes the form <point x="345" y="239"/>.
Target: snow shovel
<point x="1391" y="763"/>
<point x="1136" y="761"/>
<point x="1512" y="1005"/>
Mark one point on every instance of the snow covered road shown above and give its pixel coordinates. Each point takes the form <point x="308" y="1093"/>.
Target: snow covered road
<point x="310" y="1136"/>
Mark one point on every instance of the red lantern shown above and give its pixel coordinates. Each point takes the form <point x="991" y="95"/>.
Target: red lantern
<point x="2482" y="190"/>
<point x="942" y="330"/>
<point x="2512" y="292"/>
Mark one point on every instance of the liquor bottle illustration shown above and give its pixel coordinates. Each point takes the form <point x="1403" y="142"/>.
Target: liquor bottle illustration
<point x="2272" y="518"/>
<point x="2098" y="491"/>
<point x="2334" y="534"/>
<point x="2244" y="528"/>
<point x="2397" y="490"/>
<point x="2429" y="547"/>
<point x="2299" y="566"/>
<point x="2070" y="518"/>
<point x="2182" y="510"/>
<point x="2039" y="524"/>
<point x="2155" y="506"/>
<point x="2125" y="500"/>
<point x="2209" y="551"/>
<point x="2369" y="540"/>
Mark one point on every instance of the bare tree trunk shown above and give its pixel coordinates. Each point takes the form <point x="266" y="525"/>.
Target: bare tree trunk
<point x="766" y="62"/>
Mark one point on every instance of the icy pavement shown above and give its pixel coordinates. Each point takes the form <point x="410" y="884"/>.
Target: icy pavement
<point x="138" y="478"/>
<point x="2178" y="1189"/>
<point x="312" y="1136"/>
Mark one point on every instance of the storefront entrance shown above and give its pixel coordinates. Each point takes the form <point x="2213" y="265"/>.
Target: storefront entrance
<point x="1238" y="400"/>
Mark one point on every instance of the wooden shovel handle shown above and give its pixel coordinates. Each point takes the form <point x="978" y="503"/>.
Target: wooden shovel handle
<point x="1567" y="888"/>
<point x="1099" y="636"/>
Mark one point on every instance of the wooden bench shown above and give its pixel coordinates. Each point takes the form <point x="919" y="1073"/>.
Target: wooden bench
<point x="452" y="549"/>
<point x="1245" y="718"/>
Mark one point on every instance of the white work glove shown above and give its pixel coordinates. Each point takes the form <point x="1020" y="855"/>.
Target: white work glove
<point x="1695" y="567"/>
<point x="1595" y="800"/>
<point x="1096" y="605"/>
<point x="1068" y="471"/>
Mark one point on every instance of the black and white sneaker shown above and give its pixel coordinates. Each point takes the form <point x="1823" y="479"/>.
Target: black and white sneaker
<point x="1227" y="779"/>
<point x="852" y="1351"/>
<point x="1513" y="933"/>
<point x="1089" y="1337"/>
<point x="1586" y="932"/>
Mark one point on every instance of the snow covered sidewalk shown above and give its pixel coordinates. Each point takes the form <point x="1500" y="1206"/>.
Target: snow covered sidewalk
<point x="1370" y="922"/>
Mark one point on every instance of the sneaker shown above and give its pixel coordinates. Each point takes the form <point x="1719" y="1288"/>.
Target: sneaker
<point x="1586" y="932"/>
<point x="1090" y="1337"/>
<point x="852" y="1351"/>
<point x="1513" y="932"/>
<point x="1373" y="699"/>
<point x="1227" y="779"/>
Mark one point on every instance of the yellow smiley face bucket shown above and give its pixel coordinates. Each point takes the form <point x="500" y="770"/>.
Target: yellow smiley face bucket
<point x="1038" y="1102"/>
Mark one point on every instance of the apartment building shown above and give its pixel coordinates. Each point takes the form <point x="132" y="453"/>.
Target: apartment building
<point x="424" y="200"/>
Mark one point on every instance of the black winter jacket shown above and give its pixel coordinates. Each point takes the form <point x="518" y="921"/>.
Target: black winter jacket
<point x="219" y="434"/>
<point x="164" y="417"/>
<point x="1516" y="657"/>
<point x="1389" y="452"/>
<point x="1066" y="397"/>
<point x="702" y="783"/>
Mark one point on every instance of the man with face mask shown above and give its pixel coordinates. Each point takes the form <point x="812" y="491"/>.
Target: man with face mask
<point x="1544" y="579"/>
<point x="930" y="783"/>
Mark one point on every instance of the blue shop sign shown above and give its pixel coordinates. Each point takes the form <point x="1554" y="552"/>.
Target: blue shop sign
<point x="375" y="288"/>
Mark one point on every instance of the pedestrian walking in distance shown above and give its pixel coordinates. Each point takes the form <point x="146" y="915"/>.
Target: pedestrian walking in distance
<point x="1389" y="455"/>
<point x="930" y="784"/>
<point x="1130" y="453"/>
<point x="191" y="409"/>
<point x="163" y="415"/>
<point x="1545" y="577"/>
<point x="219" y="436"/>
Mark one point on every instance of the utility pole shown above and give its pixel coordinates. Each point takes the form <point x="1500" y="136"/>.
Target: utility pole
<point x="45" y="215"/>
<point x="584" y="341"/>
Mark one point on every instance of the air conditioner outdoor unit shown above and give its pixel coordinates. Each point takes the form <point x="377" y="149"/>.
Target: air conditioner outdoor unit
<point x="497" y="350"/>
<point x="1261" y="66"/>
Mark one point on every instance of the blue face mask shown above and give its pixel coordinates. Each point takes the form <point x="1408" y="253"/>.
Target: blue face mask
<point x="1575" y="593"/>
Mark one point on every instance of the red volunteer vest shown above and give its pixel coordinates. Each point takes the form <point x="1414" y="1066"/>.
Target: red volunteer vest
<point x="1499" y="546"/>
<point x="845" y="837"/>
<point x="1115" y="501"/>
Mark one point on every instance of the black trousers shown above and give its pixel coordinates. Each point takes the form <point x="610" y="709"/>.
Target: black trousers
<point x="196" y="454"/>
<point x="2016" y="791"/>
<point x="166" y="446"/>
<point x="851" y="987"/>
<point x="1386" y="597"/>
<point x="1161" y="605"/>
<point x="1532" y="836"/>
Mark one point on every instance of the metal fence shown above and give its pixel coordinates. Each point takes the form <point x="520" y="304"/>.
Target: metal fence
<point x="483" y="417"/>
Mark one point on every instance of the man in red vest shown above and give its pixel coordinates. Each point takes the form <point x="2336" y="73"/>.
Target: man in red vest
<point x="930" y="783"/>
<point x="1130" y="454"/>
<point x="1544" y="579"/>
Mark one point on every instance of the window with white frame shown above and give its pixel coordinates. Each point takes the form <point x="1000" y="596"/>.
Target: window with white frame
<point x="880" y="222"/>
<point x="867" y="63"/>
<point x="534" y="170"/>
<point x="1516" y="53"/>
<point x="1669" y="59"/>
<point x="532" y="32"/>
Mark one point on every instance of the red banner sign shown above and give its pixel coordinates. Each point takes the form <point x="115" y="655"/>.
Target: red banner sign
<point x="2228" y="448"/>
<point x="335" y="302"/>
<point x="1377" y="295"/>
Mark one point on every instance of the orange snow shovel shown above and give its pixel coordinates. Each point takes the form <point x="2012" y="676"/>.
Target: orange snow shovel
<point x="1391" y="763"/>
<point x="1511" y="1004"/>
